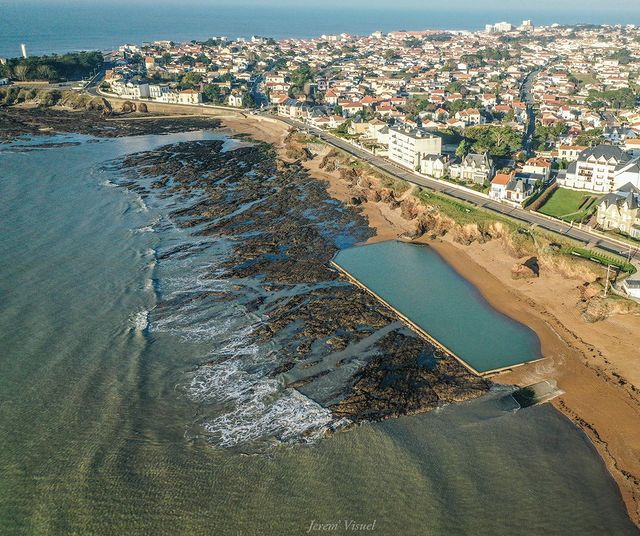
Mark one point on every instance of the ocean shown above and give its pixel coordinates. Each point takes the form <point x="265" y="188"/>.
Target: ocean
<point x="48" y="26"/>
<point x="107" y="427"/>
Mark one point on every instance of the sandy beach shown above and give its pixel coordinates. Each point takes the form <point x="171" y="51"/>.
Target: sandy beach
<point x="595" y="364"/>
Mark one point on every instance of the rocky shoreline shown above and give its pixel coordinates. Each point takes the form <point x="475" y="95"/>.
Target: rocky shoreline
<point x="286" y="229"/>
<point x="33" y="121"/>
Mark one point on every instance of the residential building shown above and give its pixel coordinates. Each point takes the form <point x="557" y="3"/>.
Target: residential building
<point x="570" y="153"/>
<point x="511" y="188"/>
<point x="408" y="145"/>
<point x="620" y="210"/>
<point x="476" y="168"/>
<point x="538" y="166"/>
<point x="434" y="165"/>
<point x="595" y="169"/>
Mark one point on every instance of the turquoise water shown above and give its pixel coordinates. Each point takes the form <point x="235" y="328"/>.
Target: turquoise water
<point x="56" y="25"/>
<point x="100" y="431"/>
<point x="416" y="281"/>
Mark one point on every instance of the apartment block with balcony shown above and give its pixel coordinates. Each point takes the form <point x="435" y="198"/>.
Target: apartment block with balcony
<point x="595" y="169"/>
<point x="407" y="146"/>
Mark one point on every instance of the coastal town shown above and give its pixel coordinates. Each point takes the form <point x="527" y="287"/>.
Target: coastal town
<point x="544" y="116"/>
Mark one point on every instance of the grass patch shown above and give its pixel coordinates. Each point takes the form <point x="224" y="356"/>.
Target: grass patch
<point x="397" y="185"/>
<point x="603" y="258"/>
<point x="461" y="211"/>
<point x="569" y="205"/>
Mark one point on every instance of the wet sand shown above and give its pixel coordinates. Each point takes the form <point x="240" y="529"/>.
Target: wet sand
<point x="596" y="365"/>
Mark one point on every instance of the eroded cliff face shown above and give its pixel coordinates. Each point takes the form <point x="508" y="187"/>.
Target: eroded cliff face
<point x="534" y="255"/>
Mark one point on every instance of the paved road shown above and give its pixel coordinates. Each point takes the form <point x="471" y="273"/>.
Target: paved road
<point x="527" y="97"/>
<point x="531" y="218"/>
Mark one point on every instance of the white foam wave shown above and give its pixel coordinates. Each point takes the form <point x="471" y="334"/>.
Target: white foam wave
<point x="141" y="320"/>
<point x="261" y="408"/>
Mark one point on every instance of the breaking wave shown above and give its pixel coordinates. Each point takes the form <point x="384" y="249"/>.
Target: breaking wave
<point x="141" y="321"/>
<point x="260" y="408"/>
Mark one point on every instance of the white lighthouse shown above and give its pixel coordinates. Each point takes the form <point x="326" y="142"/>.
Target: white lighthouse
<point x="23" y="48"/>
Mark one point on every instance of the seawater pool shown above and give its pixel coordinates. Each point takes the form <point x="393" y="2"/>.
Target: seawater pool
<point x="420" y="285"/>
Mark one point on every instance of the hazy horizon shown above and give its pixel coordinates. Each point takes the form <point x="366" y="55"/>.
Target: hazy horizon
<point x="49" y="26"/>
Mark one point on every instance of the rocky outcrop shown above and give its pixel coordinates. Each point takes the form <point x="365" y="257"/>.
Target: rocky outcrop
<point x="283" y="228"/>
<point x="529" y="269"/>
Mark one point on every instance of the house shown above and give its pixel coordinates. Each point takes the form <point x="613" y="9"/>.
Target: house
<point x="631" y="145"/>
<point x="511" y="188"/>
<point x="620" y="210"/>
<point x="570" y="152"/>
<point x="358" y="126"/>
<point x="476" y="168"/>
<point x="499" y="186"/>
<point x="408" y="145"/>
<point x="350" y="109"/>
<point x="434" y="165"/>
<point x="235" y="100"/>
<point x="4" y="81"/>
<point x="470" y="116"/>
<point x="595" y="168"/>
<point x="331" y="97"/>
<point x="537" y="165"/>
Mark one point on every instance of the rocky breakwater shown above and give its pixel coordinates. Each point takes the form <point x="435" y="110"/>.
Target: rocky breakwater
<point x="284" y="229"/>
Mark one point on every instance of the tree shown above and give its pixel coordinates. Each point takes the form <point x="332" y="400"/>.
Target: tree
<point x="463" y="149"/>
<point x="191" y="80"/>
<point x="203" y="58"/>
<point x="248" y="101"/>
<point x="21" y="71"/>
<point x="412" y="42"/>
<point x="390" y="54"/>
<point x="46" y="72"/>
<point x="187" y="60"/>
<point x="211" y="93"/>
<point x="498" y="141"/>
<point x="590" y="137"/>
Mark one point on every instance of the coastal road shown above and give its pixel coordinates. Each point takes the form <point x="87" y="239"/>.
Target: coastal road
<point x="530" y="218"/>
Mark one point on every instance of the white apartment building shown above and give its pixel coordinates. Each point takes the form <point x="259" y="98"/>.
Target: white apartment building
<point x="595" y="169"/>
<point x="156" y="91"/>
<point x="187" y="96"/>
<point x="408" y="145"/>
<point x="130" y="90"/>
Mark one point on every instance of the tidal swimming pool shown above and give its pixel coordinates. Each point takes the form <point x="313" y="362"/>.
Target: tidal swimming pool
<point x="415" y="281"/>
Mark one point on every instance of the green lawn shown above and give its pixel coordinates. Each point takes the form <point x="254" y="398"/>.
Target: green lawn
<point x="569" y="205"/>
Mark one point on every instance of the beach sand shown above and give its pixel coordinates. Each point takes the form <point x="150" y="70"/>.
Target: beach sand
<point x="597" y="365"/>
